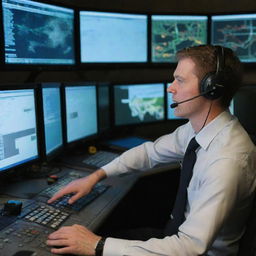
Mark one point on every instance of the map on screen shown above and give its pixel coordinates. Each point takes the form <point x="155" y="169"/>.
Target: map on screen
<point x="139" y="103"/>
<point x="237" y="32"/>
<point x="171" y="33"/>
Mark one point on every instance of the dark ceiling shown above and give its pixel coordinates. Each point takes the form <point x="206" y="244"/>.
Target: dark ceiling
<point x="188" y="6"/>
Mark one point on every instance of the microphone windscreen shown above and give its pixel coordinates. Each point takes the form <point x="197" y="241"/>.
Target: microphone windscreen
<point x="174" y="105"/>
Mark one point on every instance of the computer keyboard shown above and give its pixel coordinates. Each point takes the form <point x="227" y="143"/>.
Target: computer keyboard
<point x="100" y="158"/>
<point x="54" y="188"/>
<point x="45" y="215"/>
<point x="62" y="203"/>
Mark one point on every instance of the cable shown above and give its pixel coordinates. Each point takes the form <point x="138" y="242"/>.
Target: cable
<point x="206" y="116"/>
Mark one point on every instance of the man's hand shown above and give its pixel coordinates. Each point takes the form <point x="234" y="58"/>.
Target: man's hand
<point x="79" y="187"/>
<point x="74" y="239"/>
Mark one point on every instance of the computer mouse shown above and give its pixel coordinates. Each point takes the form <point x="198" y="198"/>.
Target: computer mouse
<point x="24" y="253"/>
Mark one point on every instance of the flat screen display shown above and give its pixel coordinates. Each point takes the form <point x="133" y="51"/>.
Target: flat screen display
<point x="52" y="118"/>
<point x="236" y="32"/>
<point x="171" y="33"/>
<point x="81" y="112"/>
<point x="18" y="136"/>
<point x="38" y="33"/>
<point x="138" y="103"/>
<point x="113" y="37"/>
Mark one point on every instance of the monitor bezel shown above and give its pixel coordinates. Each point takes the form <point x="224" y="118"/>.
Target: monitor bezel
<point x="34" y="87"/>
<point x="111" y="65"/>
<point x="112" y="100"/>
<point x="37" y="67"/>
<point x="57" y="151"/>
<point x="248" y="65"/>
<point x="101" y="130"/>
<point x="85" y="139"/>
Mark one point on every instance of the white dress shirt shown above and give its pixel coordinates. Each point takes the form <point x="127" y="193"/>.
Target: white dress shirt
<point x="219" y="193"/>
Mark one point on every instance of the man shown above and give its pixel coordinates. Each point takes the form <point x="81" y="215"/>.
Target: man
<point x="220" y="191"/>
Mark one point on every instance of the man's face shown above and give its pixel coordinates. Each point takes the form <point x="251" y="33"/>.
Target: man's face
<point x="186" y="86"/>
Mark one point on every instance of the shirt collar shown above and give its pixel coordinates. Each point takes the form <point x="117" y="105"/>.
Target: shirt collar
<point x="208" y="133"/>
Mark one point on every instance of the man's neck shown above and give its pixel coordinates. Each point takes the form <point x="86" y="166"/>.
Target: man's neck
<point x="204" y="118"/>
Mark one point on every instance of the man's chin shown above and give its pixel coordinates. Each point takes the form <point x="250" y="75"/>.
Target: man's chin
<point x="180" y="115"/>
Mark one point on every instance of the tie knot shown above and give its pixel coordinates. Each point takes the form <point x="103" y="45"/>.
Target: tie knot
<point x="193" y="145"/>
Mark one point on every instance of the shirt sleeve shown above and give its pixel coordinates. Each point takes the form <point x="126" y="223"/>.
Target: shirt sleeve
<point x="215" y="199"/>
<point x="167" y="149"/>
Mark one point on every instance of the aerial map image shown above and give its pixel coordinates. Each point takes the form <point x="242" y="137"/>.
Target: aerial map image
<point x="171" y="33"/>
<point x="237" y="32"/>
<point x="139" y="103"/>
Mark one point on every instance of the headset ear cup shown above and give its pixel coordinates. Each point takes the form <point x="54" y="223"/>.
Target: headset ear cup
<point x="211" y="87"/>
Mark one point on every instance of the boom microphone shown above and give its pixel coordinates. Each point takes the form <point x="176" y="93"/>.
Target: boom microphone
<point x="174" y="105"/>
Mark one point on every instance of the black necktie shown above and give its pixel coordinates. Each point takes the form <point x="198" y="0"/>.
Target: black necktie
<point x="181" y="198"/>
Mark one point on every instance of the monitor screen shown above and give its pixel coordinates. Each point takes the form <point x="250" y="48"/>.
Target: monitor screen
<point x="18" y="136"/>
<point x="138" y="103"/>
<point x="113" y="37"/>
<point x="52" y="118"/>
<point x="81" y="112"/>
<point x="171" y="33"/>
<point x="38" y="33"/>
<point x="236" y="32"/>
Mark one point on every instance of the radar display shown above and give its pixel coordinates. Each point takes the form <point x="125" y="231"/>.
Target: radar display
<point x="173" y="33"/>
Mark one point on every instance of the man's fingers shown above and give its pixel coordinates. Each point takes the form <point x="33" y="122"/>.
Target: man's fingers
<point x="60" y="194"/>
<point x="74" y="198"/>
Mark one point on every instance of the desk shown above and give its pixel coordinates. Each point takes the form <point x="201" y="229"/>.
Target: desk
<point x="24" y="235"/>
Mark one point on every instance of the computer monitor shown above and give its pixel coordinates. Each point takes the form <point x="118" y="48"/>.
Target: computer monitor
<point x="81" y="112"/>
<point x="138" y="103"/>
<point x="107" y="37"/>
<point x="171" y="33"/>
<point x="52" y="119"/>
<point x="18" y="128"/>
<point x="38" y="33"/>
<point x="235" y="31"/>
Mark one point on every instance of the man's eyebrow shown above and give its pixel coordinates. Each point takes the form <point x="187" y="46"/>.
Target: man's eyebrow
<point x="177" y="76"/>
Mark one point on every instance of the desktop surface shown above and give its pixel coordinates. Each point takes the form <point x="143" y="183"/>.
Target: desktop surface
<point x="28" y="230"/>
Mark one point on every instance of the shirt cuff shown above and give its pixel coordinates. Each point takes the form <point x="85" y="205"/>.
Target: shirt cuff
<point x="114" y="246"/>
<point x="111" y="167"/>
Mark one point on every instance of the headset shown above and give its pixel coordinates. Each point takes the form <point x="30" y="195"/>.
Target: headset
<point x="212" y="85"/>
